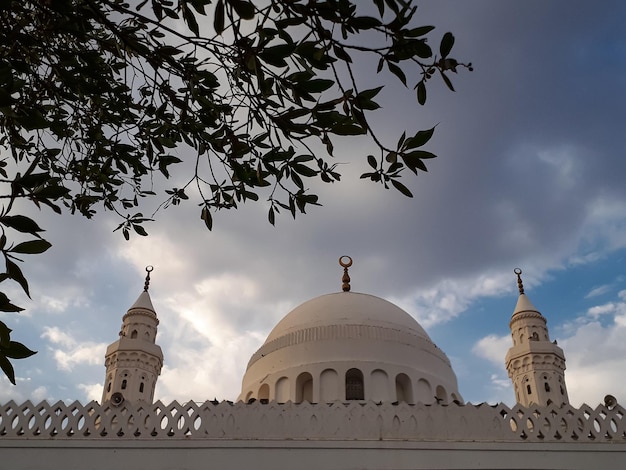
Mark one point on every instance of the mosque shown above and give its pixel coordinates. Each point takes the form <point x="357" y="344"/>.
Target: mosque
<point x="344" y="381"/>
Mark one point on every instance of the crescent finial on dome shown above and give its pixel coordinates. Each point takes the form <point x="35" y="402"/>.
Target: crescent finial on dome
<point x="345" y="279"/>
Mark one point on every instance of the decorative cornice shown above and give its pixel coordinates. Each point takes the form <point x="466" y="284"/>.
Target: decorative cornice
<point x="526" y="314"/>
<point x="140" y="311"/>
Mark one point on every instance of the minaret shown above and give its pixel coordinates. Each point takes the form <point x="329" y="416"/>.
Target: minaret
<point x="134" y="361"/>
<point x="535" y="365"/>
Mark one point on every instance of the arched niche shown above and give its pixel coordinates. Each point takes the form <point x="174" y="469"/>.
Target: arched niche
<point x="424" y="391"/>
<point x="441" y="395"/>
<point x="404" y="389"/>
<point x="264" y="392"/>
<point x="379" y="383"/>
<point x="282" y="390"/>
<point x="304" y="388"/>
<point x="329" y="386"/>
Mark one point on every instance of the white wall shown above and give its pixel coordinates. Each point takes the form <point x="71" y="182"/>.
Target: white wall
<point x="170" y="454"/>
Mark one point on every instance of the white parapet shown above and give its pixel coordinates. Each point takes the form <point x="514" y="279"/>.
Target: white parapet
<point x="339" y="420"/>
<point x="335" y="436"/>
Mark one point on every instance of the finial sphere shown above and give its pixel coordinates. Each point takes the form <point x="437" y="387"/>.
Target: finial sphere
<point x="345" y="264"/>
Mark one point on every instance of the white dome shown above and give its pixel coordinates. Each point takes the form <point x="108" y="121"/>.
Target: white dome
<point x="349" y="346"/>
<point x="346" y="308"/>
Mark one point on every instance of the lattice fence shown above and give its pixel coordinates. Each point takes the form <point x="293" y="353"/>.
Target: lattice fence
<point x="366" y="421"/>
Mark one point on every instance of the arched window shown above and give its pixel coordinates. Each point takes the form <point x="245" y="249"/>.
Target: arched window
<point x="124" y="383"/>
<point x="109" y="387"/>
<point x="133" y="335"/>
<point x="141" y="387"/>
<point x="354" y="385"/>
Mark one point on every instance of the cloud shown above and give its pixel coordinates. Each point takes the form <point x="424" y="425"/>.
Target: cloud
<point x="91" y="391"/>
<point x="207" y="372"/>
<point x="500" y="382"/>
<point x="595" y="355"/>
<point x="601" y="309"/>
<point x="69" y="352"/>
<point x="493" y="348"/>
<point x="597" y="291"/>
<point x="450" y="297"/>
<point x="26" y="389"/>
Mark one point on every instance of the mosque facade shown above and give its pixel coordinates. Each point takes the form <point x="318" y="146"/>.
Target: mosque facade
<point x="344" y="381"/>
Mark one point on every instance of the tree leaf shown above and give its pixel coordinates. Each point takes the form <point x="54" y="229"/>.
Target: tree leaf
<point x="446" y="45"/>
<point x="218" y="20"/>
<point x="31" y="247"/>
<point x="402" y="188"/>
<point x="5" y="335"/>
<point x="420" y="31"/>
<point x="421" y="93"/>
<point x="17" y="351"/>
<point x="397" y="71"/>
<point x="347" y="129"/>
<point x="7" y="368"/>
<point x="139" y="230"/>
<point x="413" y="160"/>
<point x="341" y="53"/>
<point x="190" y="19"/>
<point x="205" y="215"/>
<point x="364" y="22"/>
<point x="21" y="223"/>
<point x="447" y="81"/>
<point x="316" y="85"/>
<point x="304" y="170"/>
<point x="6" y="305"/>
<point x="418" y="140"/>
<point x="243" y="8"/>
<point x="15" y="273"/>
<point x="372" y="162"/>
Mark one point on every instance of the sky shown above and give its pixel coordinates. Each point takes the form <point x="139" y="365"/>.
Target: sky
<point x="530" y="174"/>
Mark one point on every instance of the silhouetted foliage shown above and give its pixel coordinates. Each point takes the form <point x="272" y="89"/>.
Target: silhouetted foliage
<point x="99" y="97"/>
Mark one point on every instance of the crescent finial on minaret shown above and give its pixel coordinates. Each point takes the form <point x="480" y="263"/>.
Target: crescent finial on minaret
<point x="146" y="285"/>
<point x="520" y="285"/>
